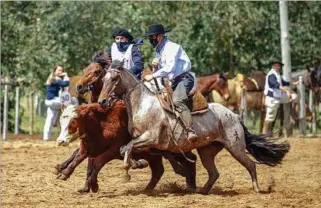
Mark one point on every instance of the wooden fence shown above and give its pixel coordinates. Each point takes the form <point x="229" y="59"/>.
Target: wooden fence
<point x="17" y="85"/>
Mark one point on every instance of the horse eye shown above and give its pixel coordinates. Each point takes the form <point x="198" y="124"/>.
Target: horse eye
<point x="96" y="72"/>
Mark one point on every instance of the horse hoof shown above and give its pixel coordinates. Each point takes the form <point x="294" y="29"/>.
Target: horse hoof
<point x="149" y="191"/>
<point x="63" y="177"/>
<point x="191" y="190"/>
<point x="84" y="190"/>
<point x="126" y="178"/>
<point x="203" y="191"/>
<point x="56" y="171"/>
<point x="94" y="188"/>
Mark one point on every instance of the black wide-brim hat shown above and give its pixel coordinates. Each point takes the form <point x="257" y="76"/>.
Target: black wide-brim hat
<point x="277" y="62"/>
<point x="156" y="29"/>
<point x="122" y="32"/>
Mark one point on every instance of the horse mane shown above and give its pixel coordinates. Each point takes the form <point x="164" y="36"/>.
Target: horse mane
<point x="117" y="64"/>
<point x="102" y="58"/>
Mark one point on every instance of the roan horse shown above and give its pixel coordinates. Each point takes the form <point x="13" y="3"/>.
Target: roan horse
<point x="91" y="81"/>
<point x="102" y="131"/>
<point x="218" y="128"/>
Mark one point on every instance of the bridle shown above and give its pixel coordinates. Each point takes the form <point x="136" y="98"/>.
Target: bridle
<point x="102" y="72"/>
<point x="117" y="82"/>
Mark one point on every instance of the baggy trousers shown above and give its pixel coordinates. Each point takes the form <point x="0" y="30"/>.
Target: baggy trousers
<point x="181" y="88"/>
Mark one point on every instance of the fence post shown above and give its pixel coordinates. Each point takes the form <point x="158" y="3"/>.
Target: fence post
<point x="244" y="106"/>
<point x="16" y="123"/>
<point x="302" y="113"/>
<point x="5" y="111"/>
<point x="312" y="108"/>
<point x="31" y="118"/>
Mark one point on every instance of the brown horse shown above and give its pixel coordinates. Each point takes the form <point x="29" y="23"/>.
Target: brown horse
<point x="206" y="84"/>
<point x="90" y="81"/>
<point x="81" y="97"/>
<point x="102" y="133"/>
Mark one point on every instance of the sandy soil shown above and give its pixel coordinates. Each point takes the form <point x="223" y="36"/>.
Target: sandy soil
<point x="27" y="180"/>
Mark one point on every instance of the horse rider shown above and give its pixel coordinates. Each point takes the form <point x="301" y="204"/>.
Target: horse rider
<point x="125" y="49"/>
<point x="172" y="61"/>
<point x="276" y="91"/>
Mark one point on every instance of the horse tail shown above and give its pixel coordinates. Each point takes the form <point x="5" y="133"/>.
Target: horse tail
<point x="266" y="151"/>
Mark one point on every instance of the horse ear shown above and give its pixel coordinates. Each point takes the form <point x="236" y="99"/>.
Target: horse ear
<point x="226" y="74"/>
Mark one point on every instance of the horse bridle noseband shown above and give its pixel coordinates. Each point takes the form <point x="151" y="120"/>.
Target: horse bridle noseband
<point x="92" y="82"/>
<point x="115" y="85"/>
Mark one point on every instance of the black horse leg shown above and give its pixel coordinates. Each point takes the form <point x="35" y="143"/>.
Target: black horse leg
<point x="188" y="168"/>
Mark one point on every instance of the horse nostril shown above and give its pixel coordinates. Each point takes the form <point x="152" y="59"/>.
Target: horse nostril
<point x="79" y="88"/>
<point x="103" y="101"/>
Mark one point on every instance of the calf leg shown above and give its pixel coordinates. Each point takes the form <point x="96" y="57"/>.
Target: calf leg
<point x="86" y="187"/>
<point x="96" y="165"/>
<point x="80" y="156"/>
<point x="60" y="167"/>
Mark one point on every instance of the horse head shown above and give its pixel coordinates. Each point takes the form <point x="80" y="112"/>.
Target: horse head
<point x="221" y="86"/>
<point x="93" y="73"/>
<point x="113" y="82"/>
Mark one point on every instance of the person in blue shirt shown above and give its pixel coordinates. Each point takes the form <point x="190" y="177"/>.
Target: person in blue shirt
<point x="276" y="91"/>
<point x="56" y="81"/>
<point x="172" y="61"/>
<point x="124" y="48"/>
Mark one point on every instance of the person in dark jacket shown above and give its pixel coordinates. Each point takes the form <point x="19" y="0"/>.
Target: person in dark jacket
<point x="125" y="49"/>
<point x="57" y="80"/>
<point x="277" y="90"/>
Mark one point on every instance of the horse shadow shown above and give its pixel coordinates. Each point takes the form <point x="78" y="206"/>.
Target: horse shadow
<point x="170" y="189"/>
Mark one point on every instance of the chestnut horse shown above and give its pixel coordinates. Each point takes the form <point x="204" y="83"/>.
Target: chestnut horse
<point x="102" y="133"/>
<point x="206" y="84"/>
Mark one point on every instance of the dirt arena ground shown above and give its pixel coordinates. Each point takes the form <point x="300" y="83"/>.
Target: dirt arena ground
<point x="27" y="181"/>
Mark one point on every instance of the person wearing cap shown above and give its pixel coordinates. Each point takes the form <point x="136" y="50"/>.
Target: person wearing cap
<point x="276" y="91"/>
<point x="172" y="61"/>
<point x="124" y="48"/>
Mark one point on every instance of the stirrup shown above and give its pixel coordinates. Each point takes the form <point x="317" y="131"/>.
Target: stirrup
<point x="194" y="136"/>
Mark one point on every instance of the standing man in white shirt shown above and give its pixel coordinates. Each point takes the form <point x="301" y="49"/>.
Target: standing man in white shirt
<point x="172" y="61"/>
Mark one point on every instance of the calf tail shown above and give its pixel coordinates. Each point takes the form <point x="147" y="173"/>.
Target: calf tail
<point x="266" y="151"/>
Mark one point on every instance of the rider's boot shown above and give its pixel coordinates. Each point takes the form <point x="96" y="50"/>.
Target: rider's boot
<point x="187" y="118"/>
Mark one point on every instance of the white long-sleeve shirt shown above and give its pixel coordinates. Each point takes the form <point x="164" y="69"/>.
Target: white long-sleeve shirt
<point x="173" y="60"/>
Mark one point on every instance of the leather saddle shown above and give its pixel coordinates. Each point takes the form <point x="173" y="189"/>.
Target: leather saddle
<point x="196" y="103"/>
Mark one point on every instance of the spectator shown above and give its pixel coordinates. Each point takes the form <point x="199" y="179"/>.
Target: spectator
<point x="277" y="91"/>
<point x="56" y="81"/>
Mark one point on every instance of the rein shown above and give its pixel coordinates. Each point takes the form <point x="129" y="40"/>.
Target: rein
<point x="101" y="73"/>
